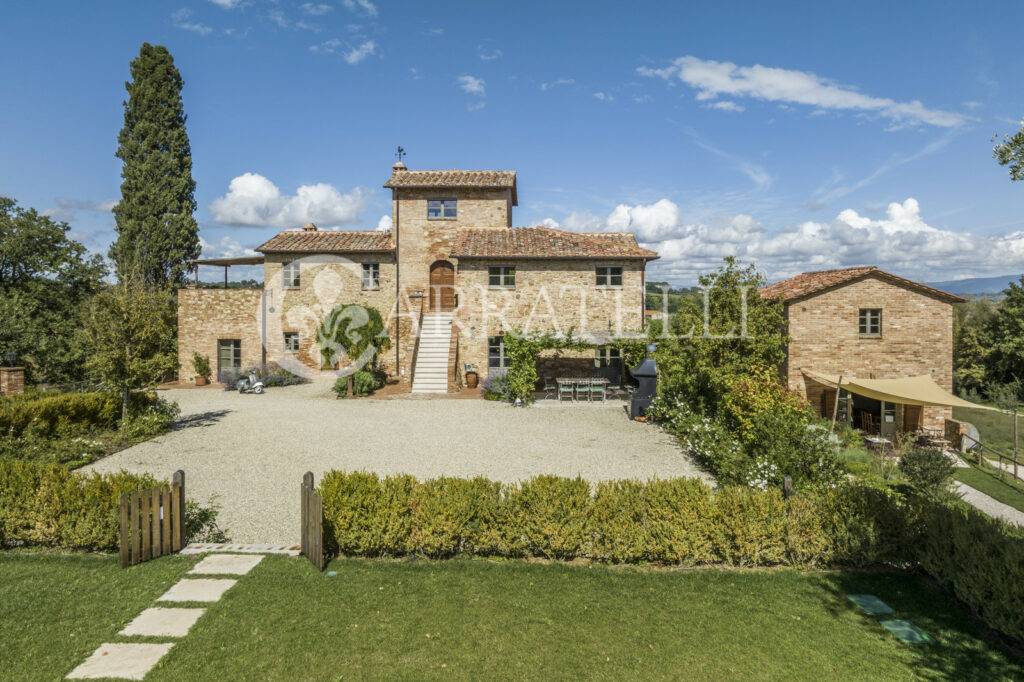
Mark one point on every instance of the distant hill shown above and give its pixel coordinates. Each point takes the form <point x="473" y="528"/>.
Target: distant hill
<point x="976" y="286"/>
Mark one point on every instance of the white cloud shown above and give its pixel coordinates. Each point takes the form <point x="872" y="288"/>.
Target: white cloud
<point x="225" y="248"/>
<point x="253" y="200"/>
<point x="971" y="104"/>
<point x="472" y="85"/>
<point x="488" y="56"/>
<point x="316" y="10"/>
<point x="227" y="4"/>
<point x="727" y="105"/>
<point x="67" y="209"/>
<point x="901" y="242"/>
<point x="358" y="54"/>
<point x="181" y="20"/>
<point x="329" y="46"/>
<point x="712" y="79"/>
<point x="384" y="223"/>
<point x="554" y="84"/>
<point x="366" y="6"/>
<point x="476" y="106"/>
<point x="604" y="97"/>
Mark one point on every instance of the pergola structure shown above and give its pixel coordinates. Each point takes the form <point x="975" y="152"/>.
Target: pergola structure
<point x="225" y="263"/>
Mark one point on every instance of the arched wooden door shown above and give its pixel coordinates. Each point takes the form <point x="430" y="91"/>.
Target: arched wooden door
<point x="442" y="286"/>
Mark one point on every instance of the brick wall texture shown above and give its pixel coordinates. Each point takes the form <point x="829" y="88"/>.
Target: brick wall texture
<point x="916" y="338"/>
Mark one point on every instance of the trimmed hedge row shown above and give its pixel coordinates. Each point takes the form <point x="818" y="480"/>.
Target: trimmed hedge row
<point x="675" y="521"/>
<point x="51" y="414"/>
<point x="45" y="504"/>
<point x="681" y="522"/>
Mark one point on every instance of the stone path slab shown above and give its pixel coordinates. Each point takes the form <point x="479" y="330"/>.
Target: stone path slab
<point x="198" y="589"/>
<point x="907" y="631"/>
<point x="870" y="604"/>
<point x="163" y="622"/>
<point x="230" y="564"/>
<point x="990" y="505"/>
<point x="245" y="548"/>
<point x="126" y="661"/>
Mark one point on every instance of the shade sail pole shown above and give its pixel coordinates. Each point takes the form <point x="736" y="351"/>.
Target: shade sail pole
<point x="835" y="408"/>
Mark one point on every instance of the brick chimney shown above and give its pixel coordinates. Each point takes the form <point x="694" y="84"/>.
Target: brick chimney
<point x="309" y="227"/>
<point x="399" y="166"/>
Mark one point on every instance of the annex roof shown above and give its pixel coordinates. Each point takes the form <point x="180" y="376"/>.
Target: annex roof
<point x="546" y="242"/>
<point x="809" y="283"/>
<point x="328" y="241"/>
<point x="425" y="179"/>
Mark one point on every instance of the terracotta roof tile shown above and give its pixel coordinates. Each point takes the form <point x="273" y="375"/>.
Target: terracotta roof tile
<point x="809" y="283"/>
<point x="328" y="241"/>
<point x="545" y="242"/>
<point x="454" y="178"/>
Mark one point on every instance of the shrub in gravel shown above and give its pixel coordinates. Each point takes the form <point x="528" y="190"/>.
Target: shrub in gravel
<point x="59" y="413"/>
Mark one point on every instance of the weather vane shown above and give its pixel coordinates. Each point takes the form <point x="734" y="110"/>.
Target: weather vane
<point x="400" y="154"/>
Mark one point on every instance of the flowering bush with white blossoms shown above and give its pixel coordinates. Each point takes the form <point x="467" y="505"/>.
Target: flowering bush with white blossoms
<point x="763" y="475"/>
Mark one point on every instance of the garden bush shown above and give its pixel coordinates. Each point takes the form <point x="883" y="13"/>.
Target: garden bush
<point x="62" y="413"/>
<point x="45" y="504"/>
<point x="364" y="383"/>
<point x="495" y="386"/>
<point x="928" y="471"/>
<point x="675" y="521"/>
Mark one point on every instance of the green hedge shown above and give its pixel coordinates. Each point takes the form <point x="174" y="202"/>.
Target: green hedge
<point x="48" y="415"/>
<point x="45" y="504"/>
<point x="676" y="521"/>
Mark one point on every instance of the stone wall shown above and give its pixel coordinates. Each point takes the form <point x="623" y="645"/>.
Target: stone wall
<point x="325" y="281"/>
<point x="12" y="380"/>
<point x="549" y="295"/>
<point x="917" y="338"/>
<point x="206" y="315"/>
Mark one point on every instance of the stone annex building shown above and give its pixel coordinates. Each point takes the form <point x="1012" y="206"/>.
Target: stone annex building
<point x="864" y="323"/>
<point x="452" y="265"/>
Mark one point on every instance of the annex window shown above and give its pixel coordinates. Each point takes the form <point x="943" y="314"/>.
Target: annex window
<point x="290" y="274"/>
<point x="501" y="276"/>
<point x="609" y="275"/>
<point x="870" y="321"/>
<point x="607" y="357"/>
<point x="371" y="276"/>
<point x="496" y="358"/>
<point x="291" y="342"/>
<point x="229" y="354"/>
<point x="441" y="208"/>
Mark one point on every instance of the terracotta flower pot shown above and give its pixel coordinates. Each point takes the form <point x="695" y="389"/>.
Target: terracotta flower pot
<point x="472" y="379"/>
<point x="201" y="380"/>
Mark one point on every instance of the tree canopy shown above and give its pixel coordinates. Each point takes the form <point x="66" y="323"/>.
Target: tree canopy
<point x="156" y="233"/>
<point x="45" y="279"/>
<point x="1010" y="152"/>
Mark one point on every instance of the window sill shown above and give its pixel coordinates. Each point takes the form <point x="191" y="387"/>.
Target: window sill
<point x="292" y="288"/>
<point x="500" y="287"/>
<point x="870" y="336"/>
<point x="370" y="289"/>
<point x="608" y="286"/>
<point x="442" y="218"/>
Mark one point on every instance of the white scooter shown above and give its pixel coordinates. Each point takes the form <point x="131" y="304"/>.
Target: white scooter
<point x="250" y="384"/>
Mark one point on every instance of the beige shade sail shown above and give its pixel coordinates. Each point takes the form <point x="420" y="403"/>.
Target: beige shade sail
<point x="919" y="390"/>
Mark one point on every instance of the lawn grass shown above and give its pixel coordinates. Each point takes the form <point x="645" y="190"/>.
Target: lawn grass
<point x="56" y="609"/>
<point x="987" y="481"/>
<point x="510" y="619"/>
<point x="994" y="428"/>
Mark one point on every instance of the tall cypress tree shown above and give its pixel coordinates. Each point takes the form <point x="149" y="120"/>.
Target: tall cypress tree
<point x="156" y="233"/>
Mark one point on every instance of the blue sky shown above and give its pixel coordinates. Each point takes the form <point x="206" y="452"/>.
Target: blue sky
<point x="799" y="137"/>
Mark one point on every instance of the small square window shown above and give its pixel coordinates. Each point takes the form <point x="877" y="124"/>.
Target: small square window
<point x="870" y="323"/>
<point x="501" y="276"/>
<point x="607" y="357"/>
<point x="496" y="358"/>
<point x="290" y="275"/>
<point x="442" y="208"/>
<point x="291" y="342"/>
<point x="609" y="275"/>
<point x="371" y="276"/>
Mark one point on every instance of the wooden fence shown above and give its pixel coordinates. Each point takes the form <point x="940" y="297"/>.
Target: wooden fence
<point x="153" y="521"/>
<point x="312" y="539"/>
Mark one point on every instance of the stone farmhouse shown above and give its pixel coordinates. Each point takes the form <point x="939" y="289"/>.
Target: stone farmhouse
<point x="891" y="337"/>
<point x="449" y="279"/>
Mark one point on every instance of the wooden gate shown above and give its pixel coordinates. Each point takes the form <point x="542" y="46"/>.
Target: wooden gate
<point x="153" y="521"/>
<point x="312" y="539"/>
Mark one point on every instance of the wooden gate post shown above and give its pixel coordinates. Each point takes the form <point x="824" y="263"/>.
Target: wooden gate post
<point x="178" y="509"/>
<point x="311" y="540"/>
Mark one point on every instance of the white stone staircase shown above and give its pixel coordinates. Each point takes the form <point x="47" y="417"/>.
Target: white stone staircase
<point x="431" y="372"/>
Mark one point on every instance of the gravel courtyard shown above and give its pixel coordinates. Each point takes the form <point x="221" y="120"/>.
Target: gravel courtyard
<point x="247" y="453"/>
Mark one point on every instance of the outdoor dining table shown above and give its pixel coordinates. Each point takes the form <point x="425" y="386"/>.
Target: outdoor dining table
<point x="575" y="380"/>
<point x="878" y="443"/>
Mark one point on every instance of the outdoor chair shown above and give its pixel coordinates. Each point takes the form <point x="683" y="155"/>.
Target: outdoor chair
<point x="597" y="388"/>
<point x="550" y="387"/>
<point x="565" y="389"/>
<point x="583" y="387"/>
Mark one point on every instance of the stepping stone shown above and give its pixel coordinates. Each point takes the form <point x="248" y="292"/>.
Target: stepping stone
<point x="907" y="631"/>
<point x="232" y="564"/>
<point x="163" y="622"/>
<point x="870" y="604"/>
<point x="198" y="589"/>
<point x="126" y="661"/>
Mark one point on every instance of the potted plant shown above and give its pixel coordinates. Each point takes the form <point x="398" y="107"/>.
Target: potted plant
<point x="201" y="365"/>
<point x="472" y="378"/>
